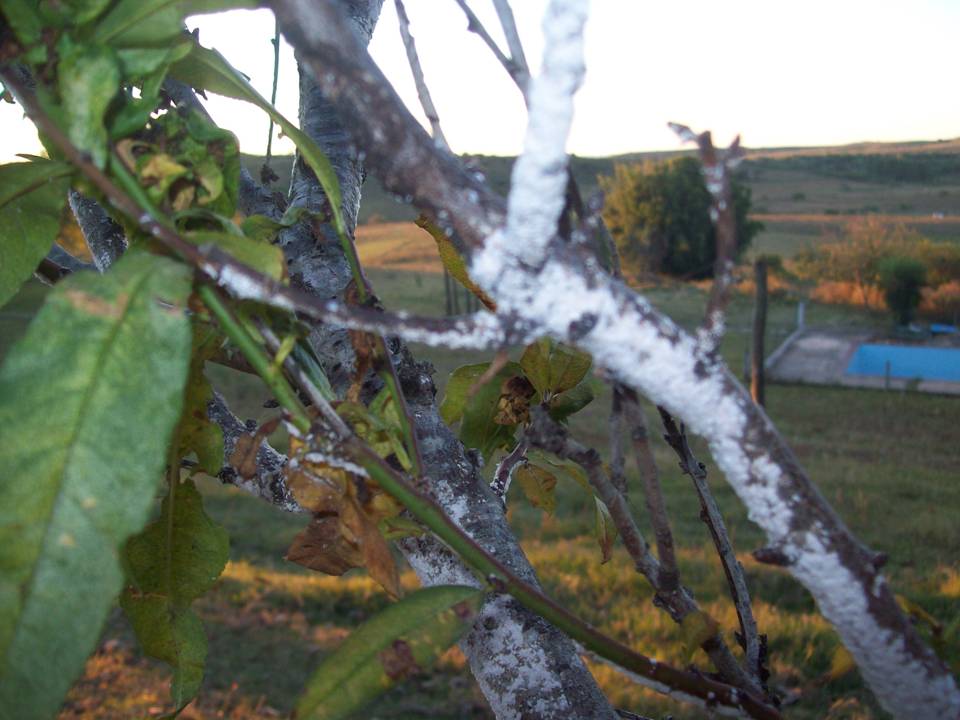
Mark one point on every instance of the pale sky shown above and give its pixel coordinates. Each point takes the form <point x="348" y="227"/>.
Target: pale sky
<point x="821" y="72"/>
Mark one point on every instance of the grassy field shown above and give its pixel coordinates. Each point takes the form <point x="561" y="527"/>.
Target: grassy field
<point x="887" y="461"/>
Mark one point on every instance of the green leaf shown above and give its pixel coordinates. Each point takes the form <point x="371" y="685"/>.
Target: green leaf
<point x="538" y="485"/>
<point x="405" y="638"/>
<point x="171" y="563"/>
<point x="261" y="256"/>
<point x="88" y="401"/>
<point x="24" y="19"/>
<point x="71" y="12"/>
<point x="606" y="530"/>
<point x="567" y="403"/>
<point x="171" y="634"/>
<point x="458" y="386"/>
<point x="553" y="367"/>
<point x="137" y="23"/>
<point x="140" y="62"/>
<point x="181" y="555"/>
<point x="478" y="428"/>
<point x="208" y="70"/>
<point x="32" y="198"/>
<point x="261" y="227"/>
<point x="197" y="433"/>
<point x="89" y="78"/>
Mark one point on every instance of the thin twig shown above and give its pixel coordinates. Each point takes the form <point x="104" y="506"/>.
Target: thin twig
<point x="710" y="514"/>
<point x="519" y="75"/>
<point x="549" y="435"/>
<point x="302" y="381"/>
<point x="517" y="56"/>
<point x="423" y="92"/>
<point x="504" y="472"/>
<point x="717" y="168"/>
<point x="615" y="424"/>
<point x="267" y="175"/>
<point x="653" y="494"/>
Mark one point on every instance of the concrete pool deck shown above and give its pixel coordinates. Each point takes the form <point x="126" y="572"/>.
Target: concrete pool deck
<point x="819" y="356"/>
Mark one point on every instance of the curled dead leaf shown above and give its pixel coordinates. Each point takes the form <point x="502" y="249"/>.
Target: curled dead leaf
<point x="513" y="407"/>
<point x="322" y="547"/>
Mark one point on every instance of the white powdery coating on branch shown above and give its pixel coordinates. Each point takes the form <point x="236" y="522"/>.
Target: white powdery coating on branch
<point x="891" y="670"/>
<point x="539" y="176"/>
<point x="243" y="287"/>
<point x="518" y="666"/>
<point x="670" y="367"/>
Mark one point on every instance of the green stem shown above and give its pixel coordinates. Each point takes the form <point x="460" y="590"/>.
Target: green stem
<point x="257" y="358"/>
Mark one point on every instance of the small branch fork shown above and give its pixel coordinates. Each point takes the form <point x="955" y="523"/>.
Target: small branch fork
<point x="691" y="686"/>
<point x="717" y="168"/>
<point x="543" y="432"/>
<point x="516" y="66"/>
<point x="754" y="644"/>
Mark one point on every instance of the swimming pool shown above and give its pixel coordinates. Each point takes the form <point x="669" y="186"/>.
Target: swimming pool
<point x="906" y="361"/>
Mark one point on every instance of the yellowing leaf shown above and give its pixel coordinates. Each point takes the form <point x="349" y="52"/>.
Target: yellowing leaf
<point x="553" y="367"/>
<point x="841" y="663"/>
<point x="538" y="485"/>
<point x="454" y="263"/>
<point x="605" y="529"/>
<point x="695" y="629"/>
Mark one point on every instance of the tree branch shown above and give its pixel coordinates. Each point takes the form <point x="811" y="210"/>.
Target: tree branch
<point x="717" y="168"/>
<point x="640" y="347"/>
<point x="423" y="92"/>
<point x="677" y="600"/>
<point x="517" y="57"/>
<point x="104" y="237"/>
<point x="653" y="495"/>
<point x="519" y="73"/>
<point x="750" y="638"/>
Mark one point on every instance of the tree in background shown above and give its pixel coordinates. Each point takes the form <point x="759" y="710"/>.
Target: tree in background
<point x="902" y="279"/>
<point x="659" y="216"/>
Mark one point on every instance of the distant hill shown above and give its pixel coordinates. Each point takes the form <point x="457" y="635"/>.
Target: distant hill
<point x="905" y="178"/>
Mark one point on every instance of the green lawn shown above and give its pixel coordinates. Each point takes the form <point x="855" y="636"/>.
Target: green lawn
<point x="887" y="462"/>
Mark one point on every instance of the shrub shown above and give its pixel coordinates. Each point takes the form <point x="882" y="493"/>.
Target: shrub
<point x="839" y="292"/>
<point x="941" y="303"/>
<point x="901" y="279"/>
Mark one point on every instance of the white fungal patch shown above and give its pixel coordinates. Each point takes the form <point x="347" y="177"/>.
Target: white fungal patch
<point x="887" y="666"/>
<point x="513" y="666"/>
<point x="540" y="174"/>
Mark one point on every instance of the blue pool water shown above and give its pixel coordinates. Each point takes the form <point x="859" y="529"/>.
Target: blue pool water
<point x="906" y="362"/>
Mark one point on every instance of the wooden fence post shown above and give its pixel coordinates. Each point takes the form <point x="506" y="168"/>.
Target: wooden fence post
<point x="757" y="384"/>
